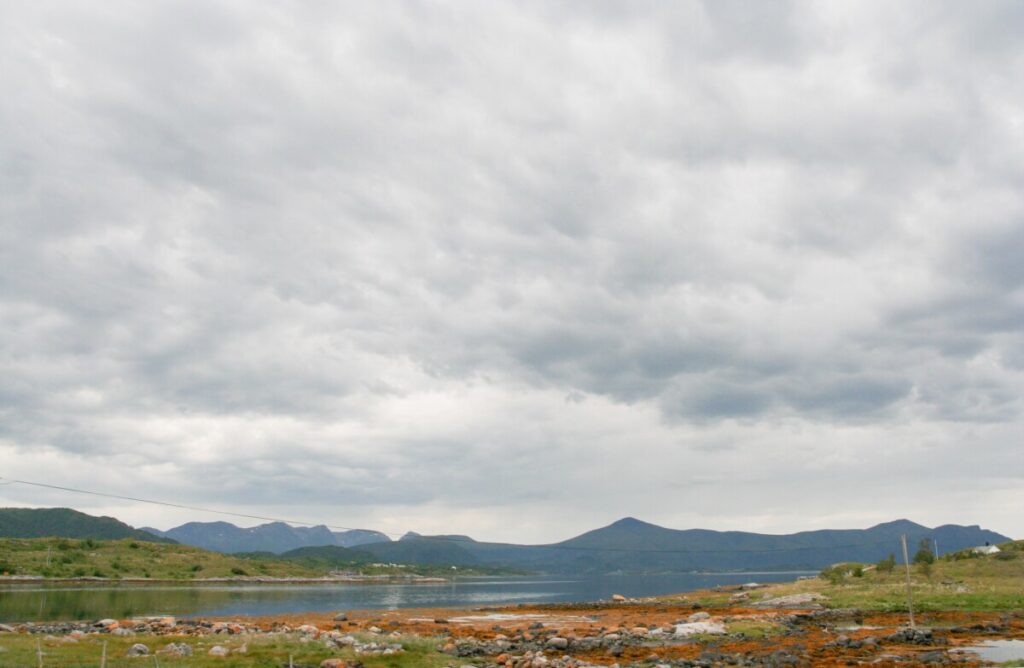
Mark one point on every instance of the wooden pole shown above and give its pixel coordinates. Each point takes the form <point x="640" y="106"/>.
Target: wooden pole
<point x="103" y="656"/>
<point x="39" y="652"/>
<point x="910" y="596"/>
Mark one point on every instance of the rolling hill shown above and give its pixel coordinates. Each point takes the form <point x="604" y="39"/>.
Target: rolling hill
<point x="67" y="523"/>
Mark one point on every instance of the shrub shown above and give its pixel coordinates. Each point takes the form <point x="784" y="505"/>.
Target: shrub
<point x="133" y="545"/>
<point x="858" y="571"/>
<point x="924" y="554"/>
<point x="834" y="574"/>
<point x="887" y="565"/>
<point x="235" y="570"/>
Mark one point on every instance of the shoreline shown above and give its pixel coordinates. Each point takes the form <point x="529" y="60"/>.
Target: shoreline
<point x="241" y="580"/>
<point x="678" y="630"/>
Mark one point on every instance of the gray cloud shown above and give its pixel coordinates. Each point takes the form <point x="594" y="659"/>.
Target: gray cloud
<point x="352" y="260"/>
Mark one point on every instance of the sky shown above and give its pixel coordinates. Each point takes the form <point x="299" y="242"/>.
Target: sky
<point x="515" y="270"/>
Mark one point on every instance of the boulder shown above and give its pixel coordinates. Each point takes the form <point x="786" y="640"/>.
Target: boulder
<point x="808" y="600"/>
<point x="557" y="642"/>
<point x="218" y="650"/>
<point x="177" y="649"/>
<point x="308" y="630"/>
<point x="138" y="649"/>
<point x="699" y="628"/>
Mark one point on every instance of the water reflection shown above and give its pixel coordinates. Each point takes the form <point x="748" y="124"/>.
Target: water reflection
<point x="77" y="602"/>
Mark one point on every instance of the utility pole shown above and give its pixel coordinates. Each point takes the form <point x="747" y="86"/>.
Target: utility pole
<point x="935" y="543"/>
<point x="910" y="596"/>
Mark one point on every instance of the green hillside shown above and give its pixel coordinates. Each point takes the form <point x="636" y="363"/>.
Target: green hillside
<point x="67" y="523"/>
<point x="131" y="559"/>
<point x="958" y="581"/>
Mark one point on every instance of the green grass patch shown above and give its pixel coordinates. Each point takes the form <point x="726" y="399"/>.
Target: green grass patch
<point x="754" y="628"/>
<point x="261" y="650"/>
<point x="129" y="559"/>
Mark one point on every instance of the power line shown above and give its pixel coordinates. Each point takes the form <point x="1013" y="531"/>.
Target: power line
<point x="181" y="506"/>
<point x="582" y="548"/>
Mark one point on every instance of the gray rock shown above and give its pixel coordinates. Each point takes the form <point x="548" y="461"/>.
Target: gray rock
<point x="936" y="656"/>
<point x="138" y="649"/>
<point x="341" y="617"/>
<point x="558" y="642"/>
<point x="177" y="649"/>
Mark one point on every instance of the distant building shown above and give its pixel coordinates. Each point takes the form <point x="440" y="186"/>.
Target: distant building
<point x="986" y="549"/>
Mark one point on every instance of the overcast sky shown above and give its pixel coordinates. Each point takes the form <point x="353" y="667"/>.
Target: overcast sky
<point x="515" y="270"/>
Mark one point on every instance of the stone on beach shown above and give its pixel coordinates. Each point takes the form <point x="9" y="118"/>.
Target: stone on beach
<point x="697" y="628"/>
<point x="807" y="600"/>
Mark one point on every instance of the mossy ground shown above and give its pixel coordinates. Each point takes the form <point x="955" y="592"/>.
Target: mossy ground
<point x="261" y="651"/>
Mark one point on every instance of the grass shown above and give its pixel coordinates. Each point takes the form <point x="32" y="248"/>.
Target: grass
<point x="955" y="582"/>
<point x="754" y="629"/>
<point x="262" y="650"/>
<point x="120" y="559"/>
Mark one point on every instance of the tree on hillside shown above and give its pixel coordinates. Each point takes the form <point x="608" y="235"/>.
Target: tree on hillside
<point x="886" y="565"/>
<point x="924" y="554"/>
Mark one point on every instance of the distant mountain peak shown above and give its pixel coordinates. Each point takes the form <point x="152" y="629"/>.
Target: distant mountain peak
<point x="901" y="524"/>
<point x="628" y="522"/>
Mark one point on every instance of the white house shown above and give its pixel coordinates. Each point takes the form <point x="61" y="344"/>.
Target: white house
<point x="986" y="549"/>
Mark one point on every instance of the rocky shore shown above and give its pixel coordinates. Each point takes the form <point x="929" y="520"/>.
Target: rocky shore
<point x="615" y="633"/>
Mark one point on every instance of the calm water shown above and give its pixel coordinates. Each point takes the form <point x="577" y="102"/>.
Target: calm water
<point x="51" y="602"/>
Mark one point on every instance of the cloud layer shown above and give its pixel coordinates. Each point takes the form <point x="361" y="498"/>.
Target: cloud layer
<point x="516" y="270"/>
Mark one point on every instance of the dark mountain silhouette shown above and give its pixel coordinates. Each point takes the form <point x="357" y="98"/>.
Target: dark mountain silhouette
<point x="67" y="523"/>
<point x="275" y="537"/>
<point x="631" y="545"/>
<point x="628" y="545"/>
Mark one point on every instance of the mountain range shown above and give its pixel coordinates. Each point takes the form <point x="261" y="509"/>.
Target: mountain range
<point x="628" y="545"/>
<point x="275" y="537"/>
